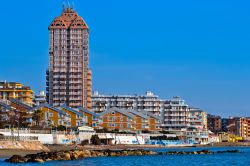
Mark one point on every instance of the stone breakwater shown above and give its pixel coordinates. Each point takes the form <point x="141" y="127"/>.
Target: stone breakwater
<point x="76" y="154"/>
<point x="197" y="152"/>
<point x="81" y="154"/>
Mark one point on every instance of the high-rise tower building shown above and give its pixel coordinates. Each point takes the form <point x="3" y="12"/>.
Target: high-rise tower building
<point x="68" y="74"/>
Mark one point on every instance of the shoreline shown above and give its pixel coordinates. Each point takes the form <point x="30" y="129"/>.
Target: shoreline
<point x="5" y="153"/>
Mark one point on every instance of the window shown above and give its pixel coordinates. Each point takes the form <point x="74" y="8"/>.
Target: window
<point x="113" y="113"/>
<point x="129" y="126"/>
<point x="94" y="124"/>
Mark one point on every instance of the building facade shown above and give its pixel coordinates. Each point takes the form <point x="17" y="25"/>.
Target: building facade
<point x="187" y="122"/>
<point x="40" y="98"/>
<point x="239" y="126"/>
<point x="149" y="102"/>
<point x="14" y="90"/>
<point x="175" y="115"/>
<point x="68" y="74"/>
<point x="197" y="126"/>
<point x="243" y="128"/>
<point x="214" y="123"/>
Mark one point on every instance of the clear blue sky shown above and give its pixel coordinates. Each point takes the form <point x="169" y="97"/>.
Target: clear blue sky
<point x="196" y="49"/>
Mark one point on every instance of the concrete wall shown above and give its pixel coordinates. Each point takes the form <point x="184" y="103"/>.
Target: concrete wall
<point x="43" y="138"/>
<point x="123" y="138"/>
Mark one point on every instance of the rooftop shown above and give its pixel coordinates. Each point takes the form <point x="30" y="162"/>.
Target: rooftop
<point x="68" y="19"/>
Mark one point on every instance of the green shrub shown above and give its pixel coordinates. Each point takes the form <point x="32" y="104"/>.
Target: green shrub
<point x="95" y="140"/>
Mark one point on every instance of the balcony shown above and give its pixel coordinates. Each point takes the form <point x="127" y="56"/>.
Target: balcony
<point x="174" y="125"/>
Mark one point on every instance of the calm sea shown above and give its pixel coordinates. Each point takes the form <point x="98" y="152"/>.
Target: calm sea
<point x="226" y="159"/>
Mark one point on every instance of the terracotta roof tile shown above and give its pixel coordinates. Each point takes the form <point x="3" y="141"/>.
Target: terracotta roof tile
<point x="68" y="19"/>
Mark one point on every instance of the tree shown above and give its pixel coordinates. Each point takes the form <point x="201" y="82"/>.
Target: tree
<point x="61" y="128"/>
<point x="95" y="140"/>
<point x="37" y="117"/>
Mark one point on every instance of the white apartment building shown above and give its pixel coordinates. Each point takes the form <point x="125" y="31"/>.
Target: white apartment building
<point x="40" y="98"/>
<point x="175" y="115"/>
<point x="149" y="102"/>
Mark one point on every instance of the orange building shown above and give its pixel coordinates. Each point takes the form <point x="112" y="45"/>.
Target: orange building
<point x="117" y="119"/>
<point x="141" y="120"/>
<point x="154" y="121"/>
<point x="19" y="105"/>
<point x="90" y="118"/>
<point x="47" y="116"/>
<point x="129" y="120"/>
<point x="75" y="116"/>
<point x="244" y="128"/>
<point x="14" y="90"/>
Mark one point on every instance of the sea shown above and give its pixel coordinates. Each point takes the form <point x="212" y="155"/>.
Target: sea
<point x="224" y="159"/>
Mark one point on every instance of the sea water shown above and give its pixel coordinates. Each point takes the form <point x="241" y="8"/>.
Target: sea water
<point x="224" y="159"/>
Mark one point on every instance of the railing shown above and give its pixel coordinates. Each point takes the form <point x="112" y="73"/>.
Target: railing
<point x="33" y="131"/>
<point x="26" y="131"/>
<point x="18" y="138"/>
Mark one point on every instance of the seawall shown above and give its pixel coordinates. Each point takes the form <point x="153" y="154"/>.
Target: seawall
<point x="23" y="145"/>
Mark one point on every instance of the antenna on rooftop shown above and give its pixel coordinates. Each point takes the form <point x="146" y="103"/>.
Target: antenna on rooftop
<point x="64" y="6"/>
<point x="73" y="5"/>
<point x="68" y="4"/>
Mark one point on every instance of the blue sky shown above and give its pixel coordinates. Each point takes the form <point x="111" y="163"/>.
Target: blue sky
<point x="199" y="50"/>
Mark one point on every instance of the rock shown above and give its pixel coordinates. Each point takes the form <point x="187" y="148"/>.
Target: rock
<point x="74" y="156"/>
<point x="112" y="154"/>
<point x="194" y="152"/>
<point x="229" y="151"/>
<point x="17" y="159"/>
<point x="77" y="154"/>
<point x="39" y="160"/>
<point x="161" y="153"/>
<point x="67" y="156"/>
<point x="124" y="153"/>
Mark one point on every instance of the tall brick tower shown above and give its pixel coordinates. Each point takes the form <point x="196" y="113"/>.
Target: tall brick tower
<point x="69" y="78"/>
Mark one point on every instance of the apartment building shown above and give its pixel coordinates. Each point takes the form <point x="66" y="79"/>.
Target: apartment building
<point x="187" y="122"/>
<point x="76" y="117"/>
<point x="90" y="118"/>
<point x="149" y="102"/>
<point x="239" y="126"/>
<point x="197" y="118"/>
<point x="128" y="120"/>
<point x="175" y="115"/>
<point x="19" y="105"/>
<point x="214" y="123"/>
<point x="197" y="126"/>
<point x="15" y="90"/>
<point x="117" y="119"/>
<point x="47" y="116"/>
<point x="40" y="98"/>
<point x="243" y="128"/>
<point x="4" y="114"/>
<point x="68" y="75"/>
